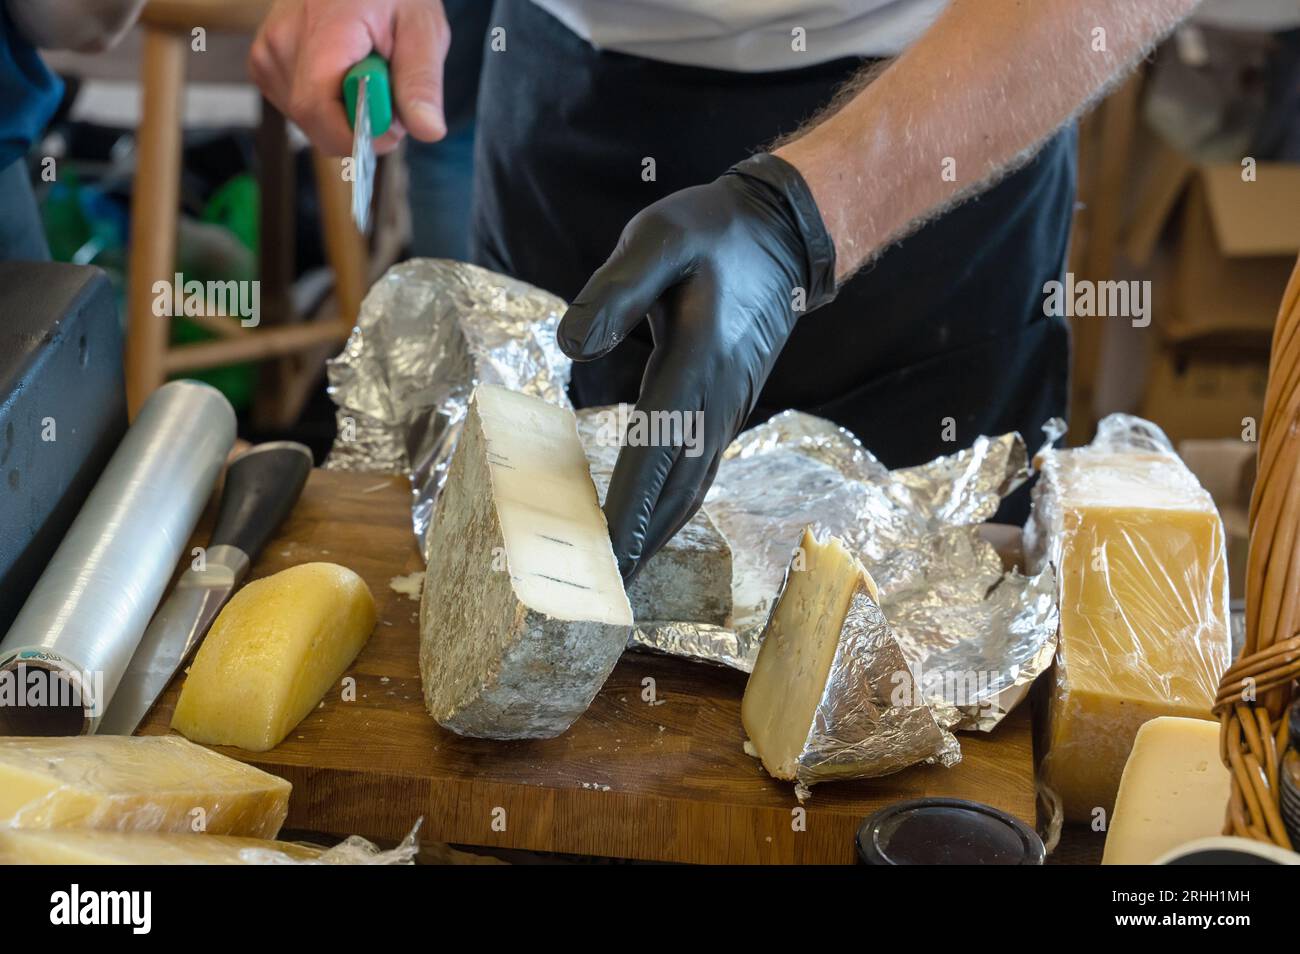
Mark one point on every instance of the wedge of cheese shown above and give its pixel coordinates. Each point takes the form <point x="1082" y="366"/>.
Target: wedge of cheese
<point x="146" y="783"/>
<point x="1174" y="790"/>
<point x="1142" y="576"/>
<point x="831" y="695"/>
<point x="274" y="651"/>
<point x="85" y="847"/>
<point x="689" y="579"/>
<point x="524" y="613"/>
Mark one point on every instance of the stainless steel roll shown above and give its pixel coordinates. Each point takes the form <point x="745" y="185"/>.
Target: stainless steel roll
<point x="83" y="620"/>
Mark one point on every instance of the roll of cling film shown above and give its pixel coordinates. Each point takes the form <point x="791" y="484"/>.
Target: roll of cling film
<point x="61" y="698"/>
<point x="63" y="657"/>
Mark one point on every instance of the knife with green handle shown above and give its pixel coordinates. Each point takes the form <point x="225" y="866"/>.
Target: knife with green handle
<point x="369" y="100"/>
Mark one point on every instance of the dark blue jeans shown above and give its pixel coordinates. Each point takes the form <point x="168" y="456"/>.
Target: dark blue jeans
<point x="440" y="182"/>
<point x="948" y="324"/>
<point x="22" y="235"/>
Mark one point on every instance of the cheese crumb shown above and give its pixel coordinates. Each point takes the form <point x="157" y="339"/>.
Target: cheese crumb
<point x="410" y="585"/>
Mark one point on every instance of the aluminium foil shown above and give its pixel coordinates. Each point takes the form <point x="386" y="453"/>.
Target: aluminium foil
<point x="975" y="635"/>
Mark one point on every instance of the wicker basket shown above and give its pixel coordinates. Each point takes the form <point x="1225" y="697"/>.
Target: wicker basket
<point x="1256" y="690"/>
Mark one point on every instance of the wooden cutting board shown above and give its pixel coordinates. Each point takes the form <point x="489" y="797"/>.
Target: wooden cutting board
<point x="654" y="770"/>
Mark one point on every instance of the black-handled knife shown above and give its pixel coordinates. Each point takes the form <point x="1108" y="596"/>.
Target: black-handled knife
<point x="262" y="485"/>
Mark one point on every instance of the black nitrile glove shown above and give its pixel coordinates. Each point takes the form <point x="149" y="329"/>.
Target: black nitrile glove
<point x="720" y="269"/>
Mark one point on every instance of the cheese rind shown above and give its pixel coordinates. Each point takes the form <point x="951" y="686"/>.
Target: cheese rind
<point x="77" y="847"/>
<point x="272" y="654"/>
<point x="831" y="695"/>
<point x="146" y="783"/>
<point x="689" y="579"/>
<point x="1143" y="593"/>
<point x="524" y="613"/>
<point x="1174" y="790"/>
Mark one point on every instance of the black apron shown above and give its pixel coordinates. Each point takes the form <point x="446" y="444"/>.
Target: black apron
<point x="943" y="339"/>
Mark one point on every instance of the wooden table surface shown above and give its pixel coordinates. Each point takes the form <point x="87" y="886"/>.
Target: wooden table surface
<point x="654" y="770"/>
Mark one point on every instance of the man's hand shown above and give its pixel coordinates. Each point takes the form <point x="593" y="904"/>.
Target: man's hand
<point x="305" y="47"/>
<point x="723" y="270"/>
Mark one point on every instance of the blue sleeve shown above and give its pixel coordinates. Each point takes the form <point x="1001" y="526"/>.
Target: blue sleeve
<point x="29" y="92"/>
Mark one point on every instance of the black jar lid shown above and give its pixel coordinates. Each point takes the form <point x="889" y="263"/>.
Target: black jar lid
<point x="946" y="831"/>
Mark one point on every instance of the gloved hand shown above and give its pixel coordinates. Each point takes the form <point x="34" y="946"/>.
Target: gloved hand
<point x="723" y="270"/>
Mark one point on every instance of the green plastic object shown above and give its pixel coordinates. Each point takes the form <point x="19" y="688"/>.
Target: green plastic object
<point x="235" y="205"/>
<point x="379" y="99"/>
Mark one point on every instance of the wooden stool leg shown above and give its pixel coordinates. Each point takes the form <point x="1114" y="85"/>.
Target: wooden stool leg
<point x="344" y="246"/>
<point x="278" y="400"/>
<point x="155" y="199"/>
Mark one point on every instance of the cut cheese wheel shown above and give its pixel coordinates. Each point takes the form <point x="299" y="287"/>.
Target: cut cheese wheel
<point x="1139" y="553"/>
<point x="149" y="783"/>
<point x="524" y="613"/>
<point x="1174" y="790"/>
<point x="272" y="654"/>
<point x="689" y="579"/>
<point x="75" y="847"/>
<point x="831" y="695"/>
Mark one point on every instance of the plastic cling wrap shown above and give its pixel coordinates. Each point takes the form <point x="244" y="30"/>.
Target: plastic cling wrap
<point x="1143" y="594"/>
<point x="84" y="618"/>
<point x="90" y="847"/>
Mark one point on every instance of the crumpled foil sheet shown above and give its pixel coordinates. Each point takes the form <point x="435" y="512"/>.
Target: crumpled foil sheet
<point x="428" y="332"/>
<point x="431" y="329"/>
<point x="974" y="635"/>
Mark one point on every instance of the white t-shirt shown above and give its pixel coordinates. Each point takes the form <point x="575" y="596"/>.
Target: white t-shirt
<point x="748" y="36"/>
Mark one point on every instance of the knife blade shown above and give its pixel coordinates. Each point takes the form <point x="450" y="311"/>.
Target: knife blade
<point x="262" y="485"/>
<point x="370" y="111"/>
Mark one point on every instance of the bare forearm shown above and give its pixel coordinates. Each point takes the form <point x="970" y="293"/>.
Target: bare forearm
<point x="986" y="84"/>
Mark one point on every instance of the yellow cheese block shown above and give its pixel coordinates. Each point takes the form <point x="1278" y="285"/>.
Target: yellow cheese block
<point x="1142" y="575"/>
<point x="278" y="646"/>
<point x="149" y="783"/>
<point x="77" y="847"/>
<point x="1174" y="790"/>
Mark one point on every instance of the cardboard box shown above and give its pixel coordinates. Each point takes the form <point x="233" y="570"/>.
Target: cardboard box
<point x="1226" y="468"/>
<point x="1193" y="395"/>
<point x="1232" y="245"/>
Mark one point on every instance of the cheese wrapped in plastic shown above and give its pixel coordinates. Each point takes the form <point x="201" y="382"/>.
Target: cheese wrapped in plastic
<point x="146" y="783"/>
<point x="1141" y="567"/>
<point x="86" y="847"/>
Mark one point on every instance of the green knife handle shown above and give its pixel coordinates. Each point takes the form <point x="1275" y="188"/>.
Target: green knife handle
<point x="379" y="98"/>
